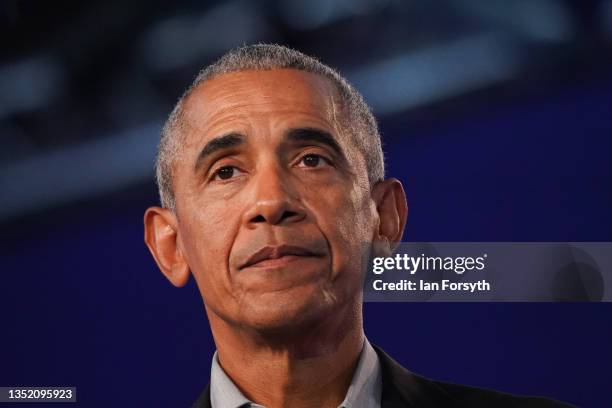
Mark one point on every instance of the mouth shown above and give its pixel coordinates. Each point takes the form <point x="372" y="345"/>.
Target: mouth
<point x="277" y="256"/>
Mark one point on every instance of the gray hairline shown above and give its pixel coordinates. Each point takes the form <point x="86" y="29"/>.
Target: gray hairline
<point x="356" y="118"/>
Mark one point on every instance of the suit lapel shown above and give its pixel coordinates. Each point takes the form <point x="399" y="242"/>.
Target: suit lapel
<point x="204" y="399"/>
<point x="403" y="389"/>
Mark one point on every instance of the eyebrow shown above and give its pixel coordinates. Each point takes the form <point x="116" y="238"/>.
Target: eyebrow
<point x="219" y="143"/>
<point x="233" y="139"/>
<point x="314" y="135"/>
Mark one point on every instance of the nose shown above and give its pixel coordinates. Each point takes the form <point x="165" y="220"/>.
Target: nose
<point x="274" y="200"/>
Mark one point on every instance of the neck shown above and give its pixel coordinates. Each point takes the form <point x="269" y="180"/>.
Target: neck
<point x="302" y="367"/>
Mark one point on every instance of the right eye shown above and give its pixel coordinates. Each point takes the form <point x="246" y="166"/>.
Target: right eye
<point x="226" y="173"/>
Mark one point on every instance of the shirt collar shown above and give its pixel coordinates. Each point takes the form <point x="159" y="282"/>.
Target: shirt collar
<point x="223" y="391"/>
<point x="366" y="385"/>
<point x="364" y="390"/>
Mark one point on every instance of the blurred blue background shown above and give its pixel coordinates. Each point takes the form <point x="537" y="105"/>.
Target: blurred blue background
<point x="496" y="115"/>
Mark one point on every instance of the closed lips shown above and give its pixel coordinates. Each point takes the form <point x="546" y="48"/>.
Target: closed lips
<point x="276" y="252"/>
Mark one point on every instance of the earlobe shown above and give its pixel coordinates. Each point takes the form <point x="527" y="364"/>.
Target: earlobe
<point x="162" y="239"/>
<point x="392" y="208"/>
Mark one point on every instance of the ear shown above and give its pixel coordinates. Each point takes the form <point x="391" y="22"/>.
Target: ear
<point x="392" y="208"/>
<point x="162" y="238"/>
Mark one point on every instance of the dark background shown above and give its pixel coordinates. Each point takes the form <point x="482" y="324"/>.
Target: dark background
<point x="496" y="116"/>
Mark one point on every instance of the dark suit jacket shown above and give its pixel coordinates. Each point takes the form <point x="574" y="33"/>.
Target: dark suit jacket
<point x="403" y="389"/>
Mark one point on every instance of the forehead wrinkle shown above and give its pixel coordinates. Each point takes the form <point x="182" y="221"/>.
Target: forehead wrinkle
<point x="323" y="97"/>
<point x="200" y="129"/>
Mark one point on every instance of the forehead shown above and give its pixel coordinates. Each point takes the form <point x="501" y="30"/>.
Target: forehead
<point x="247" y="96"/>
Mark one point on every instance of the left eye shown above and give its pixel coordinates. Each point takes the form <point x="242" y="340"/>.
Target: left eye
<point x="313" y="160"/>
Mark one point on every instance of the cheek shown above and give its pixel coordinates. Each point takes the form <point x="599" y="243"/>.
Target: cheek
<point x="209" y="235"/>
<point x="346" y="220"/>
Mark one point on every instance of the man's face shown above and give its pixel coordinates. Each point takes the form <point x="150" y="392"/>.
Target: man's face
<point x="273" y="202"/>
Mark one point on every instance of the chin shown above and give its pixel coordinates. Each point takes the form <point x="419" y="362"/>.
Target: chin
<point x="288" y="310"/>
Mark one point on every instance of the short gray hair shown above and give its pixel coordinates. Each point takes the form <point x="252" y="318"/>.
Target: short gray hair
<point x="357" y="118"/>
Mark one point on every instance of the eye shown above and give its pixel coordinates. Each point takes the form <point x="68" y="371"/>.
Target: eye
<point x="313" y="160"/>
<point x="226" y="173"/>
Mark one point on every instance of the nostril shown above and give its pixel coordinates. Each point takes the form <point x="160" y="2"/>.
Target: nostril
<point x="288" y="214"/>
<point x="259" y="218"/>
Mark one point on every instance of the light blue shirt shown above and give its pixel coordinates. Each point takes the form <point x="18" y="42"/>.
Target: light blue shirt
<point x="364" y="391"/>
